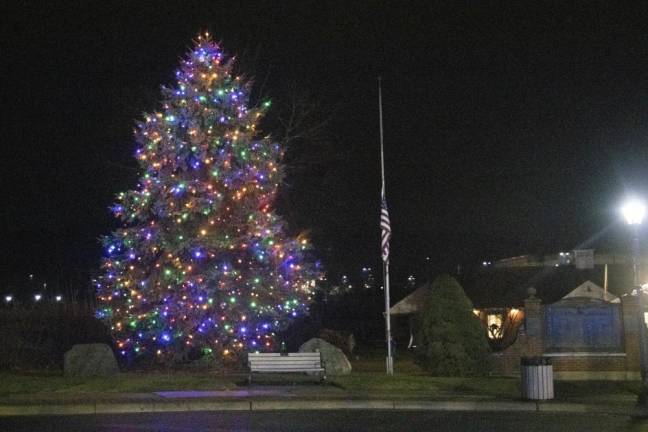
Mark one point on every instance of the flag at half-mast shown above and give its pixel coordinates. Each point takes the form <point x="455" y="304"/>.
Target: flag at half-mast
<point x="385" y="228"/>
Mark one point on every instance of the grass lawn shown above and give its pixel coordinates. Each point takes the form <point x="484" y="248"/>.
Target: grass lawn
<point x="595" y="391"/>
<point x="368" y="379"/>
<point x="409" y="380"/>
<point x="125" y="382"/>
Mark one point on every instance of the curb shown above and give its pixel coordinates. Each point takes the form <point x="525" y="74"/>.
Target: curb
<point x="330" y="404"/>
<point x="294" y="405"/>
<point x="465" y="406"/>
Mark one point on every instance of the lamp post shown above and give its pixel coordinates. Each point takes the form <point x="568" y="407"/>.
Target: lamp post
<point x="634" y="211"/>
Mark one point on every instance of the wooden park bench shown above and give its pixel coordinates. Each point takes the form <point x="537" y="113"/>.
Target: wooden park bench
<point x="286" y="363"/>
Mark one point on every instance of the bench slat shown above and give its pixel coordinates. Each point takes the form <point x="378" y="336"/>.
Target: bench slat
<point x="273" y="355"/>
<point x="282" y="358"/>
<point x="286" y="364"/>
<point x="292" y="365"/>
<point x="284" y="361"/>
<point x="289" y="371"/>
<point x="288" y="367"/>
<point x="284" y="354"/>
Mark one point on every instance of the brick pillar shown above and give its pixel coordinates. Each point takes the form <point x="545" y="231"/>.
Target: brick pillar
<point x="630" y="310"/>
<point x="534" y="324"/>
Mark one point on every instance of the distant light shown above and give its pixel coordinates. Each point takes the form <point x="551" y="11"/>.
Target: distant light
<point x="59" y="298"/>
<point x="634" y="211"/>
<point x="37" y="297"/>
<point x="8" y="298"/>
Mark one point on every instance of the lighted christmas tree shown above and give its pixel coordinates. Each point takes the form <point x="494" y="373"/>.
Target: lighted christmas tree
<point x="202" y="260"/>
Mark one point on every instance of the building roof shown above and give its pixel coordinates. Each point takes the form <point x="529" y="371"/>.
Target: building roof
<point x="508" y="287"/>
<point x="491" y="287"/>
<point x="592" y="291"/>
<point x="412" y="303"/>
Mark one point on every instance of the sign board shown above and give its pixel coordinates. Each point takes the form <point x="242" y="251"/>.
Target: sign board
<point x="595" y="328"/>
<point x="584" y="259"/>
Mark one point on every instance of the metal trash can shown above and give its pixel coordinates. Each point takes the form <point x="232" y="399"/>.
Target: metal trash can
<point x="537" y="378"/>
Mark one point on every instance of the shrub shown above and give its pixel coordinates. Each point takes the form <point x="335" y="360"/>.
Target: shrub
<point x="37" y="338"/>
<point x="453" y="342"/>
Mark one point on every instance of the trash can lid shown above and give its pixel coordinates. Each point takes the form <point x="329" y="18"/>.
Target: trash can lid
<point x="535" y="361"/>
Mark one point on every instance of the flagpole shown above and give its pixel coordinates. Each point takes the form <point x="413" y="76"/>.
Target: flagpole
<point x="390" y="360"/>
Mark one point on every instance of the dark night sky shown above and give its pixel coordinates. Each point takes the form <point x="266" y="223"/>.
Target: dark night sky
<point x="507" y="129"/>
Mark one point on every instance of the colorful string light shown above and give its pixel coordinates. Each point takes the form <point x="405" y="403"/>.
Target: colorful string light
<point x="202" y="260"/>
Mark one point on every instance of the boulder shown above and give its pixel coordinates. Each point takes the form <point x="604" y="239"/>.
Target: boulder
<point x="90" y="360"/>
<point x="333" y="359"/>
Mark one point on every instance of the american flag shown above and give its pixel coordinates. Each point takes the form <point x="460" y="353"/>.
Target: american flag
<point x="385" y="228"/>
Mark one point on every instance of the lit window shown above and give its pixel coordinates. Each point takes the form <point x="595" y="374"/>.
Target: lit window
<point x="494" y="323"/>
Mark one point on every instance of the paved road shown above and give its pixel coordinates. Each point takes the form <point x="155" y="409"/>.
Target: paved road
<point x="373" y="421"/>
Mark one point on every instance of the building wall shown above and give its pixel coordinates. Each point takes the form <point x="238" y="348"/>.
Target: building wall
<point x="573" y="365"/>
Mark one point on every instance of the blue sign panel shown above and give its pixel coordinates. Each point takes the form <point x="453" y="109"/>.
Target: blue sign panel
<point x="585" y="327"/>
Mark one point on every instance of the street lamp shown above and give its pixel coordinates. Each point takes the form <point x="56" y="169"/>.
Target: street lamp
<point x="37" y="297"/>
<point x="634" y="211"/>
<point x="8" y="298"/>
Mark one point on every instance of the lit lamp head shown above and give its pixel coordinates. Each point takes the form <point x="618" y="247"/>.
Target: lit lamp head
<point x="634" y="211"/>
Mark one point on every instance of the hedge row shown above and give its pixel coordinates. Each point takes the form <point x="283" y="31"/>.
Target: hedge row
<point x="38" y="337"/>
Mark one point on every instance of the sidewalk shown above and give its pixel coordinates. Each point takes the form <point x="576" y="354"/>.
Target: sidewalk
<point x="299" y="397"/>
